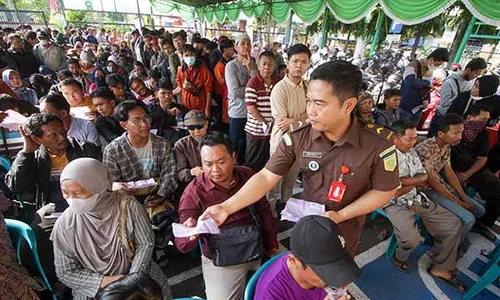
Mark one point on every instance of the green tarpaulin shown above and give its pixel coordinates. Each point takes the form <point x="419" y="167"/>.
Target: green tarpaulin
<point x="407" y="12"/>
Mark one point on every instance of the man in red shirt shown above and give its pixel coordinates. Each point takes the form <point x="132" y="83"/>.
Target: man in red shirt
<point x="221" y="180"/>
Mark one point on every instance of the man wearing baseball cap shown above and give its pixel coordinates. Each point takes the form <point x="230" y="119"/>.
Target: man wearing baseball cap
<point x="318" y="260"/>
<point x="49" y="54"/>
<point x="187" y="154"/>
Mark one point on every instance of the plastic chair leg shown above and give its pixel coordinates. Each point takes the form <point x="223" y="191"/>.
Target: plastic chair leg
<point x="391" y="249"/>
<point x="487" y="278"/>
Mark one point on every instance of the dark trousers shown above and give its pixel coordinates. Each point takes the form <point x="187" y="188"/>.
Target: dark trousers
<point x="433" y="126"/>
<point x="257" y="153"/>
<point x="237" y="135"/>
<point x="488" y="187"/>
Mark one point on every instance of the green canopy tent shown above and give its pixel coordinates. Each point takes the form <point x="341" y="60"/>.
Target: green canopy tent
<point x="346" y="11"/>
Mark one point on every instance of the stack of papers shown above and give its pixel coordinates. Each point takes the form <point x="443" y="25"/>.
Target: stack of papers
<point x="80" y="112"/>
<point x="296" y="209"/>
<point x="13" y="120"/>
<point x="141" y="183"/>
<point x="203" y="226"/>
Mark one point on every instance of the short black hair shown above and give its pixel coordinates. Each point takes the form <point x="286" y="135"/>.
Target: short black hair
<point x="178" y="34"/>
<point x="72" y="61"/>
<point x="155" y="74"/>
<point x="344" y="77"/>
<point x="7" y="102"/>
<point x="103" y="92"/>
<point x="64" y="74"/>
<point x="216" y="138"/>
<point x="477" y="108"/>
<point x="298" y="48"/>
<point x="137" y="286"/>
<point x="477" y="63"/>
<point x="391" y="93"/>
<point x="267" y="54"/>
<point x="138" y="63"/>
<point x="399" y="127"/>
<point x="189" y="47"/>
<point x="225" y="44"/>
<point x="133" y="79"/>
<point x="165" y="84"/>
<point x="70" y="81"/>
<point x="123" y="109"/>
<point x="448" y="120"/>
<point x="281" y="67"/>
<point x="211" y="45"/>
<point x="30" y="34"/>
<point x="34" y="124"/>
<point x="167" y="42"/>
<point x="57" y="101"/>
<point x="440" y="54"/>
<point x="196" y="40"/>
<point x="114" y="80"/>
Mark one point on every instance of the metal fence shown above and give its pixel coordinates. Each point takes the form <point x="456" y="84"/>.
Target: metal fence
<point x="16" y="18"/>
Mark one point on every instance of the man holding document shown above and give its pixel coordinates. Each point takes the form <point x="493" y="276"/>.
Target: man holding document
<point x="347" y="165"/>
<point x="243" y="239"/>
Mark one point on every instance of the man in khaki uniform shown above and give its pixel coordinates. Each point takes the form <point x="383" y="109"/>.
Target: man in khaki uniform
<point x="288" y="105"/>
<point x="349" y="167"/>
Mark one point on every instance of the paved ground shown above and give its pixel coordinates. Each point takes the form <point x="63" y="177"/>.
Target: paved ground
<point x="184" y="270"/>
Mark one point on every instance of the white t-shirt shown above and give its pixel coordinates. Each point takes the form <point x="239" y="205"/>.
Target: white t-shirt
<point x="145" y="156"/>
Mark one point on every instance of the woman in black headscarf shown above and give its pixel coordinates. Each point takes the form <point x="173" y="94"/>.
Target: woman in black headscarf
<point x="484" y="92"/>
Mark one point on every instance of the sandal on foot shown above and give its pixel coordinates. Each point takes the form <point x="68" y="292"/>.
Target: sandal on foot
<point x="453" y="282"/>
<point x="402" y="266"/>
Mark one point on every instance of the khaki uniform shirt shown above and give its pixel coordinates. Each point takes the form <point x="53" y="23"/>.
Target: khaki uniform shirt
<point x="368" y="152"/>
<point x="288" y="100"/>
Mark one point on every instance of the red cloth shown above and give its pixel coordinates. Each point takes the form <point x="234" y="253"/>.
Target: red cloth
<point x="202" y="193"/>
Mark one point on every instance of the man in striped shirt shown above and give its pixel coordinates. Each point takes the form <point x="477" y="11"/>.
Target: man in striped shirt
<point x="257" y="99"/>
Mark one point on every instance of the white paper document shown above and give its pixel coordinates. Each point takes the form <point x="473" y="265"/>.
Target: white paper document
<point x="13" y="120"/>
<point x="141" y="183"/>
<point x="296" y="209"/>
<point x="148" y="100"/>
<point x="203" y="226"/>
<point x="80" y="112"/>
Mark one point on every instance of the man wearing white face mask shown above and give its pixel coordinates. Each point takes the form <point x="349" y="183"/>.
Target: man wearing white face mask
<point x="417" y="79"/>
<point x="194" y="81"/>
<point x="455" y="84"/>
<point x="49" y="54"/>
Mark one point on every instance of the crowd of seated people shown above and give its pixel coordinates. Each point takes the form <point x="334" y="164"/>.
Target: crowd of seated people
<point x="121" y="135"/>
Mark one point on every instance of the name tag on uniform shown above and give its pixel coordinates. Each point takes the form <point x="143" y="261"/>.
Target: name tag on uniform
<point x="310" y="154"/>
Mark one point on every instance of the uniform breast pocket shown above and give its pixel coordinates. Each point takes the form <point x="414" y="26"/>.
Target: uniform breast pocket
<point x="357" y="181"/>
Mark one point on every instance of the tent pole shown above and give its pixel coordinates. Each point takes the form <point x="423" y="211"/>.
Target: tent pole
<point x="323" y="30"/>
<point x="139" y="14"/>
<point x="289" y="29"/>
<point x="467" y="33"/>
<point x="376" y="38"/>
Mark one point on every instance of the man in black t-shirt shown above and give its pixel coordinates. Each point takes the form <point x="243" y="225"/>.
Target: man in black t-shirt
<point x="469" y="158"/>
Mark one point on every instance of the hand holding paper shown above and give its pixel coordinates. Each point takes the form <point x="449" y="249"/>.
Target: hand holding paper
<point x="202" y="226"/>
<point x="13" y="120"/>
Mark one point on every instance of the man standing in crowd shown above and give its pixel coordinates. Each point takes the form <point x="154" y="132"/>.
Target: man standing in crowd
<point x="139" y="154"/>
<point x="81" y="129"/>
<point x="23" y="61"/>
<point x="238" y="73"/>
<point x="288" y="105"/>
<point x="317" y="262"/>
<point x="49" y="54"/>
<point x="456" y="83"/>
<point x="442" y="224"/>
<point x="468" y="160"/>
<point x="220" y="87"/>
<point x="260" y="120"/>
<point x="417" y="79"/>
<point x="107" y="126"/>
<point x="354" y="177"/>
<point x="175" y="59"/>
<point x="220" y="180"/>
<point x="187" y="153"/>
<point x="435" y="156"/>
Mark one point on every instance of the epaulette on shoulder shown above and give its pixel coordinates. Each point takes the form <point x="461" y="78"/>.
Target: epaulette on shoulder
<point x="299" y="125"/>
<point x="379" y="131"/>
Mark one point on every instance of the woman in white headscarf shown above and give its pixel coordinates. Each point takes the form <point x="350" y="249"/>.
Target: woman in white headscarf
<point x="103" y="235"/>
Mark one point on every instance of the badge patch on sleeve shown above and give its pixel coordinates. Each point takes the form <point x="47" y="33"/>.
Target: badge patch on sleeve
<point x="390" y="162"/>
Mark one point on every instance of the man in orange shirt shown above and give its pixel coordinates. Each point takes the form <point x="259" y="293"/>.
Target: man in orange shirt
<point x="227" y="48"/>
<point x="195" y="82"/>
